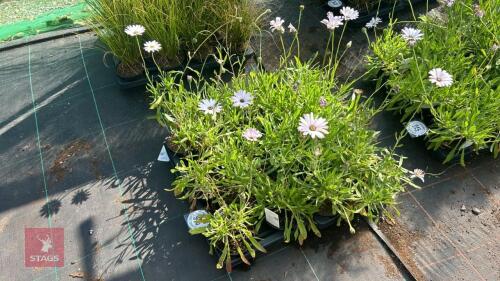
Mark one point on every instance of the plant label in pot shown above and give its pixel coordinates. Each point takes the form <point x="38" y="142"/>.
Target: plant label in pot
<point x="334" y="3"/>
<point x="416" y="129"/>
<point x="192" y="219"/>
<point x="272" y="218"/>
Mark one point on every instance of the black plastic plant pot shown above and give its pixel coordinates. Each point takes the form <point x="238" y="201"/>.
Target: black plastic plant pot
<point x="210" y="64"/>
<point x="206" y="67"/>
<point x="267" y="237"/>
<point x="384" y="10"/>
<point x="141" y="79"/>
<point x="323" y="222"/>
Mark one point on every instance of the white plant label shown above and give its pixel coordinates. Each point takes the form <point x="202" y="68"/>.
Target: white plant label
<point x="193" y="217"/>
<point x="272" y="218"/>
<point x="416" y="129"/>
<point x="163" y="157"/>
<point x="335" y="3"/>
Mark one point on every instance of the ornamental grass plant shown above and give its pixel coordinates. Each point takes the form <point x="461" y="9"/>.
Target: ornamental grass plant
<point x="109" y="18"/>
<point x="295" y="141"/>
<point x="184" y="28"/>
<point x="446" y="66"/>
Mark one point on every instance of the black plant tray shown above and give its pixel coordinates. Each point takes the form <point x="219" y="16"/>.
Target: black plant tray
<point x="208" y="66"/>
<point x="269" y="236"/>
<point x="383" y="11"/>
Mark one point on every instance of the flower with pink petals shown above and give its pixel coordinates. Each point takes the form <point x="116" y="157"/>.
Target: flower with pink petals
<point x="277" y="25"/>
<point x="411" y="35"/>
<point x="252" y="134"/>
<point x="440" y="77"/>
<point x="314" y="127"/>
<point x="332" y="22"/>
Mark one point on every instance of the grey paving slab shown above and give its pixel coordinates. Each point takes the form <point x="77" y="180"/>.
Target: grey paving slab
<point x="417" y="242"/>
<point x="340" y="255"/>
<point x="450" y="205"/>
<point x="488" y="176"/>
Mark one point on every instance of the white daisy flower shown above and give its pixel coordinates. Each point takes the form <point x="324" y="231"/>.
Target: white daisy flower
<point x="440" y="77"/>
<point x="373" y="22"/>
<point x="135" y="30"/>
<point x="277" y="24"/>
<point x="411" y="35"/>
<point x="332" y="21"/>
<point x="242" y="99"/>
<point x="448" y="3"/>
<point x="152" y="46"/>
<point x="209" y="106"/>
<point x="291" y="28"/>
<point x="495" y="47"/>
<point x="418" y="173"/>
<point x="314" y="127"/>
<point x="349" y="13"/>
<point x="252" y="134"/>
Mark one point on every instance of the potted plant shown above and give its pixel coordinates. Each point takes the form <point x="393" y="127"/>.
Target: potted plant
<point x="444" y="71"/>
<point x="109" y="20"/>
<point x="183" y="34"/>
<point x="230" y="233"/>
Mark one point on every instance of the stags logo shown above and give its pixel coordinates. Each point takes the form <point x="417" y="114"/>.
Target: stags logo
<point x="44" y="247"/>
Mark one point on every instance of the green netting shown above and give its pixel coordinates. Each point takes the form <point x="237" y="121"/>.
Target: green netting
<point x="53" y="20"/>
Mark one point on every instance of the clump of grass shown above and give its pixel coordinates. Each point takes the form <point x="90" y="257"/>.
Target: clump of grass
<point x="109" y="19"/>
<point x="190" y="26"/>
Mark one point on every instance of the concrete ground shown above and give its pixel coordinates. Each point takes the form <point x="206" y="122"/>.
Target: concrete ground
<point x="77" y="152"/>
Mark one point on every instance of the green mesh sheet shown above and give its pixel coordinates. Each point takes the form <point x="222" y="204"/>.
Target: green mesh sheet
<point x="53" y="20"/>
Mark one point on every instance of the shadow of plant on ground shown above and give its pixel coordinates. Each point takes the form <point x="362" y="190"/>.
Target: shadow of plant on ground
<point x="145" y="209"/>
<point x="50" y="208"/>
<point x="80" y="196"/>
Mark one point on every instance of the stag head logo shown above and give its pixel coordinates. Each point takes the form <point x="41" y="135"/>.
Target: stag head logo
<point x="46" y="243"/>
<point x="44" y="247"/>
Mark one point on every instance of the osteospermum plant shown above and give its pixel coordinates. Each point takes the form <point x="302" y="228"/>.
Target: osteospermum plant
<point x="295" y="142"/>
<point x="445" y="71"/>
<point x="282" y="136"/>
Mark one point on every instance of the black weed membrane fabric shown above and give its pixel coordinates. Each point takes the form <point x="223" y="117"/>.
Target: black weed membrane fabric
<point x="78" y="153"/>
